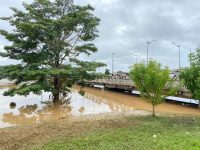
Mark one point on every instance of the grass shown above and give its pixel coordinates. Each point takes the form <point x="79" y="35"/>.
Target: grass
<point x="141" y="133"/>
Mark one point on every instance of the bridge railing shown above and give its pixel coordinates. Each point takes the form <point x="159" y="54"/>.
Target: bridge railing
<point x="126" y="82"/>
<point x="130" y="83"/>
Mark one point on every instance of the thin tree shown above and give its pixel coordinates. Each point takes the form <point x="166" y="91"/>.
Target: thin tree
<point x="150" y="80"/>
<point x="47" y="39"/>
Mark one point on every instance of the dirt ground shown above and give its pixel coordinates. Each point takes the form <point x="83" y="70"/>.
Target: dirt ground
<point x="24" y="137"/>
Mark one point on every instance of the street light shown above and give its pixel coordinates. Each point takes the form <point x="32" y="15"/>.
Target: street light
<point x="179" y="48"/>
<point x="136" y="57"/>
<point x="148" y="43"/>
<point x="190" y="57"/>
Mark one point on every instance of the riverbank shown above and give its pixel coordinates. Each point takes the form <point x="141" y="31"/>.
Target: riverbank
<point x="111" y="131"/>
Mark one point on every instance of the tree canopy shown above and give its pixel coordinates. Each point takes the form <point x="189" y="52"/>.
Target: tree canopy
<point x="48" y="38"/>
<point x="191" y="75"/>
<point x="150" y="80"/>
<point x="107" y="72"/>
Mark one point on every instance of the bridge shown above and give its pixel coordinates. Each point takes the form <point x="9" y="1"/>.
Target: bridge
<point x="121" y="80"/>
<point x="128" y="85"/>
<point x="122" y="84"/>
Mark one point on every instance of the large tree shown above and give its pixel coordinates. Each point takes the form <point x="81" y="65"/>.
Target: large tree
<point x="191" y="75"/>
<point x="150" y="80"/>
<point x="48" y="38"/>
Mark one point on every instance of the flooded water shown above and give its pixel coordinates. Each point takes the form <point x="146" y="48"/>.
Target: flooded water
<point x="31" y="109"/>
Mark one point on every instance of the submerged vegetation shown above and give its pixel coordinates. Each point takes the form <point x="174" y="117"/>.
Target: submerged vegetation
<point x="47" y="40"/>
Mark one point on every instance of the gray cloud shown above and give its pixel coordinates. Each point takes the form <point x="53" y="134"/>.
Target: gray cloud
<point x="126" y="25"/>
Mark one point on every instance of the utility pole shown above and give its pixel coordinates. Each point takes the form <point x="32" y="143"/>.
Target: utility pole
<point x="113" y="63"/>
<point x="190" y="57"/>
<point x="136" y="58"/>
<point x="179" y="55"/>
<point x="148" y="43"/>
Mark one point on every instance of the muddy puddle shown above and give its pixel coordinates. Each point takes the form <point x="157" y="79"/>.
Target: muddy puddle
<point x="32" y="109"/>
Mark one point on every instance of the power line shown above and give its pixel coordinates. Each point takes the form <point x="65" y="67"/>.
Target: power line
<point x="148" y="43"/>
<point x="179" y="47"/>
<point x="188" y="31"/>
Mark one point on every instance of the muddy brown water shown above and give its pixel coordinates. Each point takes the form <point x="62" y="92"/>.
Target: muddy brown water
<point x="31" y="109"/>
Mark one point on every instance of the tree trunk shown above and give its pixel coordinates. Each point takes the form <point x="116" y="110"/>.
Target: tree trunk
<point x="199" y="104"/>
<point x="154" y="111"/>
<point x="56" y="93"/>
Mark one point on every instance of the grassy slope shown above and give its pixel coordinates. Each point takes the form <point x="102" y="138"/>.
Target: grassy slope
<point x="173" y="133"/>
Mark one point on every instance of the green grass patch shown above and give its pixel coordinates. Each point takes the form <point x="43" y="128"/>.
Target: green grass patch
<point x="160" y="133"/>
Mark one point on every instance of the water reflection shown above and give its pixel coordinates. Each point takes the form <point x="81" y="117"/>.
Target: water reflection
<point x="122" y="102"/>
<point x="34" y="109"/>
<point x="31" y="114"/>
<point x="25" y="116"/>
<point x="55" y="111"/>
<point x="81" y="110"/>
<point x="111" y="102"/>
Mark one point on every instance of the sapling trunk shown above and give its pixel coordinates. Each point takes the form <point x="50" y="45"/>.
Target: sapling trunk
<point x="154" y="111"/>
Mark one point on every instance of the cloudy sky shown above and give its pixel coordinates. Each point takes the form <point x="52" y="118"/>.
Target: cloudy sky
<point x="126" y="26"/>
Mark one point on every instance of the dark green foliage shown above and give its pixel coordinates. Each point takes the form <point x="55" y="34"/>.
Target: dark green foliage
<point x="191" y="75"/>
<point x="48" y="39"/>
<point x="82" y="92"/>
<point x="107" y="72"/>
